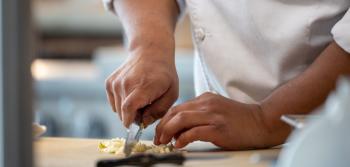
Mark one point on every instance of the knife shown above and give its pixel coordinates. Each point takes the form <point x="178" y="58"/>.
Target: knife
<point x="298" y="121"/>
<point x="133" y="133"/>
<point x="146" y="160"/>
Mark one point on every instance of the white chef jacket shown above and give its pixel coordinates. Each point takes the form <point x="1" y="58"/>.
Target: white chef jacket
<point x="244" y="49"/>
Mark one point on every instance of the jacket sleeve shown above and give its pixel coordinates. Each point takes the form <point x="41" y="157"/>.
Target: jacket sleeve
<point x="109" y="5"/>
<point x="341" y="32"/>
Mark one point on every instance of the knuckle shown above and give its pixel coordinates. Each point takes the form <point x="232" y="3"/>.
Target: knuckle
<point x="208" y="109"/>
<point x="181" y="116"/>
<point x="146" y="82"/>
<point x="125" y="83"/>
<point x="210" y="101"/>
<point x="206" y="102"/>
<point x="126" y="106"/>
<point x="114" y="84"/>
<point x="204" y="97"/>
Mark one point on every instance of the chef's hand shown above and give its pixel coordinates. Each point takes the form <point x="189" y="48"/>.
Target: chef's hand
<point x="147" y="78"/>
<point x="216" y="119"/>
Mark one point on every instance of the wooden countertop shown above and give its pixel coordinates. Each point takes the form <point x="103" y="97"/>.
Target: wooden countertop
<point x="74" y="152"/>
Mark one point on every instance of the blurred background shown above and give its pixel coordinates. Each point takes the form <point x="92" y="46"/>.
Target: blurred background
<point x="78" y="44"/>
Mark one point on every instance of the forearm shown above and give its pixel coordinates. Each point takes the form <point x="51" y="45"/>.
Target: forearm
<point x="309" y="90"/>
<point x="148" y="23"/>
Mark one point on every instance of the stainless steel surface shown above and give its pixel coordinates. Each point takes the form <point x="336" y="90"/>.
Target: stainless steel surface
<point x="16" y="46"/>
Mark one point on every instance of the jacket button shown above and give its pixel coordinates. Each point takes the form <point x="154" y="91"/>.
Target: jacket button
<point x="199" y="34"/>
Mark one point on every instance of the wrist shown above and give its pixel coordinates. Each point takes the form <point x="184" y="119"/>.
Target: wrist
<point x="271" y="115"/>
<point x="162" y="43"/>
<point x="274" y="131"/>
<point x="153" y="50"/>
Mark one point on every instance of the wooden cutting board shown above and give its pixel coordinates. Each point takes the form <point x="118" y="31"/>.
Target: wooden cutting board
<point x="74" y="152"/>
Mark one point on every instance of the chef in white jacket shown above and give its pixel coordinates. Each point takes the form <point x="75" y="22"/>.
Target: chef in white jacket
<point x="255" y="60"/>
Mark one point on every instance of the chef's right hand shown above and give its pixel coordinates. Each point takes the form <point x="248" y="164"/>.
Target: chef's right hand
<point x="147" y="79"/>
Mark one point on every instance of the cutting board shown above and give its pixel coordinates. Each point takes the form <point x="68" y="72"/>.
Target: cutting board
<point x="74" y="152"/>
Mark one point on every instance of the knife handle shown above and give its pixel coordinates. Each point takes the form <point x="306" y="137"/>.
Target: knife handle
<point x="144" y="160"/>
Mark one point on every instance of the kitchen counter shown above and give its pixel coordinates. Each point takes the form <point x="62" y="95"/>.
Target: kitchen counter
<point x="74" y="152"/>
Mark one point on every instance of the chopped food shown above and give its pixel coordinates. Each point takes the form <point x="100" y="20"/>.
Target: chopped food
<point x="116" y="146"/>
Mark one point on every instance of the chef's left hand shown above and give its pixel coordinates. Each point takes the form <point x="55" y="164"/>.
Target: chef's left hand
<point x="216" y="119"/>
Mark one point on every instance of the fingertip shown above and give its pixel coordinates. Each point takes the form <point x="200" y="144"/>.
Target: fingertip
<point x="126" y="124"/>
<point x="111" y="100"/>
<point x="126" y="120"/>
<point x="179" y="144"/>
<point x="164" y="139"/>
<point x="155" y="140"/>
<point x="161" y="139"/>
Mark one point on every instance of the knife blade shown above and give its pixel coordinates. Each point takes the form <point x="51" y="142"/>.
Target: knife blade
<point x="133" y="136"/>
<point x="133" y="133"/>
<point x="298" y="121"/>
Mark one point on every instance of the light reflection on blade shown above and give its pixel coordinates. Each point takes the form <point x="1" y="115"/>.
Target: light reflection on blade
<point x="133" y="136"/>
